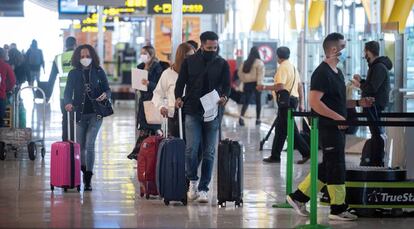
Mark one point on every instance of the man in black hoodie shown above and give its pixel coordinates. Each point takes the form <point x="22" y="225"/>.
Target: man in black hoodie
<point x="377" y="85"/>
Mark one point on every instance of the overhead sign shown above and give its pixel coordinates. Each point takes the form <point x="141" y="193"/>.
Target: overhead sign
<point x="115" y="3"/>
<point x="11" y="8"/>
<point x="189" y="7"/>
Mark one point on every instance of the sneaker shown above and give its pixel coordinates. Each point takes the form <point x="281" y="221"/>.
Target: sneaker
<point x="303" y="161"/>
<point x="299" y="207"/>
<point x="203" y="197"/>
<point x="192" y="193"/>
<point x="344" y="216"/>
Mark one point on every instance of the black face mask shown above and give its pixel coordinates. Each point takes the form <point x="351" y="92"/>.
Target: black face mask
<point x="209" y="55"/>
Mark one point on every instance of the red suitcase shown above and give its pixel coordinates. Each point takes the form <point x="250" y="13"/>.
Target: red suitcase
<point x="147" y="162"/>
<point x="65" y="163"/>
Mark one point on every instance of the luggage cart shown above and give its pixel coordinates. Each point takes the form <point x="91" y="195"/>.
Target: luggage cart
<point x="15" y="138"/>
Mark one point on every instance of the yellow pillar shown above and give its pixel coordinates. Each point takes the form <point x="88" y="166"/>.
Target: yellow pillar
<point x="316" y="10"/>
<point x="367" y="7"/>
<point x="386" y="8"/>
<point x="400" y="13"/>
<point x="292" y="14"/>
<point x="259" y="23"/>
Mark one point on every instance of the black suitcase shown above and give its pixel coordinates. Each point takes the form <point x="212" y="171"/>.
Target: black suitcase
<point x="230" y="173"/>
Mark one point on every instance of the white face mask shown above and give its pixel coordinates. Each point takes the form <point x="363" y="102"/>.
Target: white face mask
<point x="86" y="61"/>
<point x="144" y="58"/>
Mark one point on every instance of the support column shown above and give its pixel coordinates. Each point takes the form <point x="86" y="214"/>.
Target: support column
<point x="100" y="45"/>
<point x="177" y="26"/>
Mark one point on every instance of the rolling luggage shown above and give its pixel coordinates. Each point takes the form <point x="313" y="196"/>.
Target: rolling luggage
<point x="171" y="179"/>
<point x="147" y="161"/>
<point x="65" y="163"/>
<point x="230" y="173"/>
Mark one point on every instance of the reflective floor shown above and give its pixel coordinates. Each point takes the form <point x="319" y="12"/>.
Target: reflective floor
<point x="27" y="202"/>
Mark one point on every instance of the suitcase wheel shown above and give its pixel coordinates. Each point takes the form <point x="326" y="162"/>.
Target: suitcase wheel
<point x="31" y="148"/>
<point x="65" y="189"/>
<point x="2" y="151"/>
<point x="184" y="202"/>
<point x="78" y="188"/>
<point x="52" y="187"/>
<point x="147" y="196"/>
<point x="43" y="152"/>
<point x="222" y="204"/>
<point x="239" y="203"/>
<point x="166" y="202"/>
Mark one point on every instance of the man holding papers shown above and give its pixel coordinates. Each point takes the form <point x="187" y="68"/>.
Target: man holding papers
<point x="206" y="77"/>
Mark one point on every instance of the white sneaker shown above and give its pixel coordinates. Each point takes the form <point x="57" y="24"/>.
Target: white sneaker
<point x="344" y="216"/>
<point x="192" y="193"/>
<point x="203" y="198"/>
<point x="299" y="207"/>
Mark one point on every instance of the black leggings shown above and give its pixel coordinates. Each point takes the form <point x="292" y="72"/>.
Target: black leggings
<point x="247" y="94"/>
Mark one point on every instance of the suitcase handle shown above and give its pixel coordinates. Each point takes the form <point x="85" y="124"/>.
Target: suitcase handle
<point x="74" y="125"/>
<point x="180" y="123"/>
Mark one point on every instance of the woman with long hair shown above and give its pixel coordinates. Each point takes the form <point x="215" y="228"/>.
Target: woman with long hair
<point x="166" y="86"/>
<point x="251" y="73"/>
<point x="150" y="63"/>
<point x="87" y="85"/>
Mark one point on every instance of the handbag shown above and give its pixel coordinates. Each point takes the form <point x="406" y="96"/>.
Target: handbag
<point x="283" y="96"/>
<point x="152" y="114"/>
<point x="102" y="108"/>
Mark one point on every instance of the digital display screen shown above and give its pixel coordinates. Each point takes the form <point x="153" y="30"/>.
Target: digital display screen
<point x="71" y="7"/>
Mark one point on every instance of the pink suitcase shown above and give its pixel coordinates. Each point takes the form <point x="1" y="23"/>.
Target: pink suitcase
<point x="65" y="164"/>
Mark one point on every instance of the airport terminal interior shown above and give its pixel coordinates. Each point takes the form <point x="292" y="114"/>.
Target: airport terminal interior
<point x="46" y="183"/>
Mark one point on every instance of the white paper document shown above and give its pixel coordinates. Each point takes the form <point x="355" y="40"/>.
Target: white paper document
<point x="209" y="102"/>
<point x="136" y="79"/>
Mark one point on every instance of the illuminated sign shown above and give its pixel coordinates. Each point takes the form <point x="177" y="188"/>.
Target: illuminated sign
<point x="71" y="7"/>
<point x="127" y="3"/>
<point x="189" y="7"/>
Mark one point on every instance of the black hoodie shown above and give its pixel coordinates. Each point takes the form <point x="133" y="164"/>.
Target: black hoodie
<point x="377" y="84"/>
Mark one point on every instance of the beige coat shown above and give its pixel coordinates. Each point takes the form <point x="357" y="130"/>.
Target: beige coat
<point x="256" y="74"/>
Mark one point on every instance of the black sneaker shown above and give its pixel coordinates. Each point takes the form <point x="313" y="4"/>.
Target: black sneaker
<point x="271" y="160"/>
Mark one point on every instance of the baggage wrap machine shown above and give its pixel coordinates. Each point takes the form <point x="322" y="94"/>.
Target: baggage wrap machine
<point x="370" y="190"/>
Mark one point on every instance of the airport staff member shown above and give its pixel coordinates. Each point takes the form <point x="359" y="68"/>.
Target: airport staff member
<point x="327" y="98"/>
<point x="62" y="66"/>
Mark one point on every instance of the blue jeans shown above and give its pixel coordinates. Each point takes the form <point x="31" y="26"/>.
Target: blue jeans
<point x="2" y="111"/>
<point x="205" y="133"/>
<point x="87" y="131"/>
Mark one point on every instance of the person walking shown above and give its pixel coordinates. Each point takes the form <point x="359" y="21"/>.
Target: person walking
<point x="327" y="99"/>
<point x="34" y="58"/>
<point x="7" y="83"/>
<point x="251" y="73"/>
<point x="202" y="73"/>
<point x="150" y="63"/>
<point x="166" y="86"/>
<point x="87" y="85"/>
<point x="62" y="66"/>
<point x="287" y="78"/>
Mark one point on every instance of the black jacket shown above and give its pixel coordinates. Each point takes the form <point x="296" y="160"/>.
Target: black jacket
<point x="154" y="74"/>
<point x="377" y="84"/>
<point x="193" y="76"/>
<point x="75" y="87"/>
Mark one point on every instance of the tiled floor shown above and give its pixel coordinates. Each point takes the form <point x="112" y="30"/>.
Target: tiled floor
<point x="26" y="200"/>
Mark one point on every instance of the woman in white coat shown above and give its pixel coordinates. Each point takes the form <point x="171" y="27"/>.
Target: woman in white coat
<point x="164" y="98"/>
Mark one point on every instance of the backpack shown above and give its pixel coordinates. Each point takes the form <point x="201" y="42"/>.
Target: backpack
<point x="35" y="57"/>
